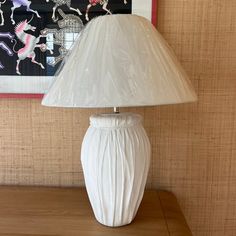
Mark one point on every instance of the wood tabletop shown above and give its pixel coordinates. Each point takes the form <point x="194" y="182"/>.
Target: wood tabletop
<point x="40" y="211"/>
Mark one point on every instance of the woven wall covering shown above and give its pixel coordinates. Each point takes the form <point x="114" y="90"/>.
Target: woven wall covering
<point x="194" y="145"/>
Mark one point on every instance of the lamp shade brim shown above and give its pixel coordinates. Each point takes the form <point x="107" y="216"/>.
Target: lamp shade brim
<point x="120" y="61"/>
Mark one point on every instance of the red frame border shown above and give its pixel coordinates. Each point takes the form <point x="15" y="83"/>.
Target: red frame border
<point x="39" y="96"/>
<point x="154" y="12"/>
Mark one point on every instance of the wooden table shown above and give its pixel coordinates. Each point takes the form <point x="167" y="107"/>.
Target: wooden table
<point x="34" y="211"/>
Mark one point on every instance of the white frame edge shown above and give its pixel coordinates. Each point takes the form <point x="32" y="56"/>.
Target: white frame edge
<point x="142" y="8"/>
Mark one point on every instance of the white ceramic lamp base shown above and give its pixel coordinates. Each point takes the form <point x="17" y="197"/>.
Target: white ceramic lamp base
<point x="115" y="157"/>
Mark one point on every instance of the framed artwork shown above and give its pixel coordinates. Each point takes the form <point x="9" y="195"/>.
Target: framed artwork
<point x="36" y="35"/>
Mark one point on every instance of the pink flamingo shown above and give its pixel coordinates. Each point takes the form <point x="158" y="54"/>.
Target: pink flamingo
<point x="103" y="3"/>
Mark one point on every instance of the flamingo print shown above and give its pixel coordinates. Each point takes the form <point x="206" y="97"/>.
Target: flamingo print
<point x="30" y="41"/>
<point x="103" y="3"/>
<point x="20" y="3"/>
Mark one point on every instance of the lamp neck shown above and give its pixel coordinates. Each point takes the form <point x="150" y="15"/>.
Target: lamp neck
<point x="116" y="110"/>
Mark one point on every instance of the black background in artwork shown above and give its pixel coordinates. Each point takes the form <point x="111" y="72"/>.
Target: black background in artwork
<point x="45" y="11"/>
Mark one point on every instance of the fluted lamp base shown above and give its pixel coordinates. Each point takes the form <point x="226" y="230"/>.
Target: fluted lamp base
<point x="115" y="158"/>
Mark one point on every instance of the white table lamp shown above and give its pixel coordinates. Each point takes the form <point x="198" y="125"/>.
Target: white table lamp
<point x="118" y="61"/>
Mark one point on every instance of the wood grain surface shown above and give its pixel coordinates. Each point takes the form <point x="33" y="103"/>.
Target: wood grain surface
<point x="193" y="145"/>
<point x="67" y="212"/>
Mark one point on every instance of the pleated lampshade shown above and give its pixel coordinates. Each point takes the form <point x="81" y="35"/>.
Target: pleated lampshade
<point x="120" y="61"/>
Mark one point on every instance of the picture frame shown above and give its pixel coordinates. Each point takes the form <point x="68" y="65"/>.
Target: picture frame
<point x="35" y="86"/>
